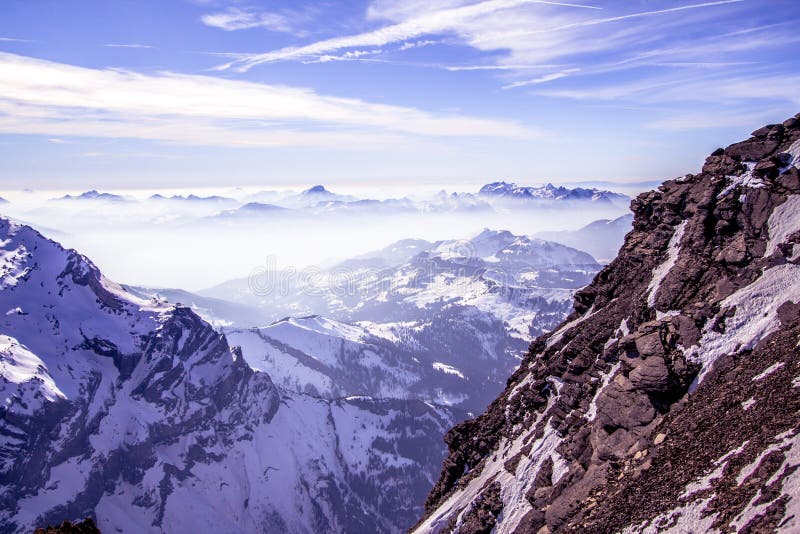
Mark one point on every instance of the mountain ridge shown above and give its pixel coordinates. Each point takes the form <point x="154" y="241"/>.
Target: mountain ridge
<point x="548" y="192"/>
<point x="592" y="426"/>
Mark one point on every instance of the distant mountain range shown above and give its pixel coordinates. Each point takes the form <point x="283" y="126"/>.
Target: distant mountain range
<point x="319" y="200"/>
<point x="549" y="192"/>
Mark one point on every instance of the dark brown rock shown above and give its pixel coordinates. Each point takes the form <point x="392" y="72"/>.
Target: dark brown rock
<point x="650" y="375"/>
<point x="87" y="526"/>
<point x="752" y="150"/>
<point x="762" y="132"/>
<point x="766" y="168"/>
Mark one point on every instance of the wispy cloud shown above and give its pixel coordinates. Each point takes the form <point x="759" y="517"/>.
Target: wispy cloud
<point x="459" y="68"/>
<point x="568" y="38"/>
<point x="720" y="118"/>
<point x="14" y="40"/>
<point x="236" y="18"/>
<point x="596" y="22"/>
<point x="712" y="88"/>
<point x="54" y="99"/>
<point x="132" y="155"/>
<point x="352" y="55"/>
<point x="541" y="79"/>
<point x="127" y="45"/>
<point x="408" y="45"/>
<point x="428" y="23"/>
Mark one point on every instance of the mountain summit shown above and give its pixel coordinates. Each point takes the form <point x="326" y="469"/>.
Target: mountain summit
<point x="669" y="399"/>
<point x="317" y="190"/>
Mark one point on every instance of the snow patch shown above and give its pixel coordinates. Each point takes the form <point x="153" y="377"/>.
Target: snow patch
<point x="447" y="369"/>
<point x="790" y="485"/>
<point x="756" y="316"/>
<point x="18" y="367"/>
<point x="783" y="222"/>
<point x="660" y="272"/>
<point x="623" y="327"/>
<point x="556" y="337"/>
<point x="605" y="378"/>
<point x="705" y="482"/>
<point x="746" y="179"/>
<point x="768" y="371"/>
<point x="794" y="151"/>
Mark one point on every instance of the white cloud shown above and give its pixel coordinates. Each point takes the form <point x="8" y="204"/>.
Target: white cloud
<point x="54" y="99"/>
<point x="453" y="19"/>
<point x="408" y="45"/>
<point x="14" y="40"/>
<point x="710" y="88"/>
<point x="459" y="68"/>
<point x="244" y="18"/>
<point x="596" y="22"/>
<point x="528" y="31"/>
<point x="722" y="118"/>
<point x="541" y="79"/>
<point x="519" y="37"/>
<point x="352" y="55"/>
<point x="133" y="45"/>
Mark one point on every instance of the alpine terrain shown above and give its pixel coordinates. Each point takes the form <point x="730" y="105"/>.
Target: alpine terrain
<point x="141" y="415"/>
<point x="669" y="400"/>
<point x="445" y="322"/>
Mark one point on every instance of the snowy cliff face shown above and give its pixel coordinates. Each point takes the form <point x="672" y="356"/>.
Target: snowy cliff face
<point x="670" y="399"/>
<point x="142" y="416"/>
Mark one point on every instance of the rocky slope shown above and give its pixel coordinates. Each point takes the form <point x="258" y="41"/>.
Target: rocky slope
<point x="668" y="401"/>
<point x="142" y="416"/>
<point x="86" y="526"/>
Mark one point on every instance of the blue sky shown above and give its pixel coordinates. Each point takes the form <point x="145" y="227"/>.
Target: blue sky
<point x="178" y="93"/>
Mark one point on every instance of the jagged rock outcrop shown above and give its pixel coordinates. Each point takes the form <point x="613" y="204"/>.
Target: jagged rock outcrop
<point x="86" y="526"/>
<point x="669" y="400"/>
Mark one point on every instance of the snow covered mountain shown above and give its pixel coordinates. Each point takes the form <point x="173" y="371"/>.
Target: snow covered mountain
<point x="93" y="195"/>
<point x="444" y="322"/>
<point x="491" y="271"/>
<point x="668" y="400"/>
<point x="602" y="239"/>
<point x="549" y="192"/>
<point x="142" y="416"/>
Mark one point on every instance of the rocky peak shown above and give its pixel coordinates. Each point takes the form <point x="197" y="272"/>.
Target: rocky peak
<point x="316" y="190"/>
<point x="94" y="195"/>
<point x="668" y="397"/>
